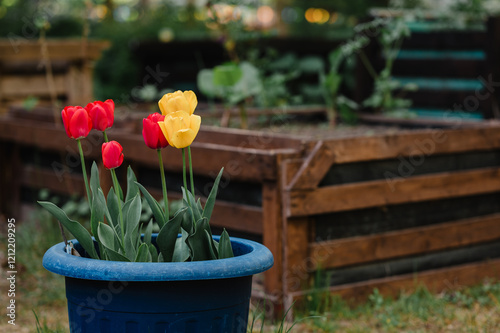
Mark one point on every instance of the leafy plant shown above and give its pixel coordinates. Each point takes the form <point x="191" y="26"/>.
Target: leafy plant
<point x="233" y="83"/>
<point x="391" y="35"/>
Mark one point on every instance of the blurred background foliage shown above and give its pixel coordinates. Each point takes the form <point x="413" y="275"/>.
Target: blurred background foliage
<point x="240" y="27"/>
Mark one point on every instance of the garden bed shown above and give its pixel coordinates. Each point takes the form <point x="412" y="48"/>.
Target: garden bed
<point x="375" y="206"/>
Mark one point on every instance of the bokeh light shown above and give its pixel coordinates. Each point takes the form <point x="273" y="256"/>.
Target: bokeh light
<point x="317" y="15"/>
<point x="265" y="15"/>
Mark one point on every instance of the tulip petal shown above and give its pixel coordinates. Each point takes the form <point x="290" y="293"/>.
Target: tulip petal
<point x="163" y="127"/>
<point x="183" y="138"/>
<point x="177" y="103"/>
<point x="80" y="124"/>
<point x="162" y="104"/>
<point x="192" y="100"/>
<point x="195" y="123"/>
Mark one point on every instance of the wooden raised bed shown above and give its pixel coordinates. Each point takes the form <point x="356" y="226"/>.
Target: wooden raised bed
<point x="394" y="210"/>
<point x="385" y="210"/>
<point x="23" y="70"/>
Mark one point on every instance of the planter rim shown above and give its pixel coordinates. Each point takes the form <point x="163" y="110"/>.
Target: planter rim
<point x="255" y="258"/>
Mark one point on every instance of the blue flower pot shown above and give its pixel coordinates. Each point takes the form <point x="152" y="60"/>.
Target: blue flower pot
<point x="202" y="296"/>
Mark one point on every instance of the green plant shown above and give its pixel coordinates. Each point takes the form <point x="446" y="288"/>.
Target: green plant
<point x="120" y="238"/>
<point x="233" y="83"/>
<point x="391" y="36"/>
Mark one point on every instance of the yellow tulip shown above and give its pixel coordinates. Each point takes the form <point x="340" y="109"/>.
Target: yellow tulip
<point x="178" y="101"/>
<point x="180" y="128"/>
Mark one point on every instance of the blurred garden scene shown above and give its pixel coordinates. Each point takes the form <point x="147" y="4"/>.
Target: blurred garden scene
<point x="359" y="141"/>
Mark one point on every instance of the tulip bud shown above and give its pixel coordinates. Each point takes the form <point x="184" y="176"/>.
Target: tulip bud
<point x="76" y="122"/>
<point x="102" y="114"/>
<point x="112" y="154"/>
<point x="151" y="132"/>
<point x="178" y="101"/>
<point x="180" y="128"/>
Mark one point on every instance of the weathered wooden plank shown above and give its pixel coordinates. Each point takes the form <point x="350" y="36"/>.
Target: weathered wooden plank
<point x="226" y="214"/>
<point x="393" y="191"/>
<point x="364" y="249"/>
<point x="272" y="238"/>
<point x="423" y="142"/>
<point x="21" y="49"/>
<point x="401" y="144"/>
<point x="298" y="264"/>
<point x="315" y="166"/>
<point x="240" y="163"/>
<point x="436" y="280"/>
<point x="15" y="86"/>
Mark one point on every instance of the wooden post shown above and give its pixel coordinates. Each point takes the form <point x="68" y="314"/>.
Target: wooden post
<point x="272" y="219"/>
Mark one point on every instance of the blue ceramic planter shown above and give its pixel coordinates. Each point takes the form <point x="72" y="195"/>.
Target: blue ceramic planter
<point x="203" y="296"/>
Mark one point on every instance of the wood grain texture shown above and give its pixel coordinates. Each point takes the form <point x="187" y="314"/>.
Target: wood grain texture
<point x="408" y="242"/>
<point x="387" y="192"/>
<point x="436" y="280"/>
<point x="239" y="163"/>
<point x="58" y="49"/>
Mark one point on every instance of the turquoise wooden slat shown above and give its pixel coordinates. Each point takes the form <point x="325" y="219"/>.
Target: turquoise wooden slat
<point x="439" y="55"/>
<point x="441" y="84"/>
<point x="447" y="115"/>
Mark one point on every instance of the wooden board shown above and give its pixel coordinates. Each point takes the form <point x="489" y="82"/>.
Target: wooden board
<point x="437" y="280"/>
<point x="15" y="86"/>
<point x="240" y="163"/>
<point x="22" y="49"/>
<point x="393" y="191"/>
<point x="401" y="144"/>
<point x="408" y="242"/>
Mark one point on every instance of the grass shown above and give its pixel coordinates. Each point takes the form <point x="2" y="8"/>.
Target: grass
<point x="41" y="303"/>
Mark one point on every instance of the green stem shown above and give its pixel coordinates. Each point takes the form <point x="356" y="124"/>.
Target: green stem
<point x="191" y="170"/>
<point x="117" y="192"/>
<point x="84" y="170"/>
<point x="184" y="169"/>
<point x="368" y="65"/>
<point x="164" y="185"/>
<point x="105" y="136"/>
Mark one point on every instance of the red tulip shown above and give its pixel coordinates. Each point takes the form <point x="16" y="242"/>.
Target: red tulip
<point x="76" y="122"/>
<point x="102" y="114"/>
<point x="112" y="154"/>
<point x="153" y="136"/>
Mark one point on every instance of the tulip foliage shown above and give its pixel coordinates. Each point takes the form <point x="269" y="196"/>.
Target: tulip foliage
<point x="115" y="225"/>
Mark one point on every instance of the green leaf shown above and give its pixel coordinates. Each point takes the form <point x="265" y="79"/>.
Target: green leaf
<point x="115" y="256"/>
<point x="94" y="178"/>
<point x="113" y="209"/>
<point x="132" y="216"/>
<point x="80" y="233"/>
<point x="154" y="205"/>
<point x="143" y="254"/>
<point x="200" y="242"/>
<point x="225" y="248"/>
<point x="108" y="237"/>
<point x="227" y="75"/>
<point x="148" y="232"/>
<point x="130" y="248"/>
<point x="154" y="253"/>
<point x="182" y="251"/>
<point x="168" y="234"/>
<point x="209" y="205"/>
<point x="132" y="189"/>
<point x="98" y="211"/>
<point x="190" y="201"/>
